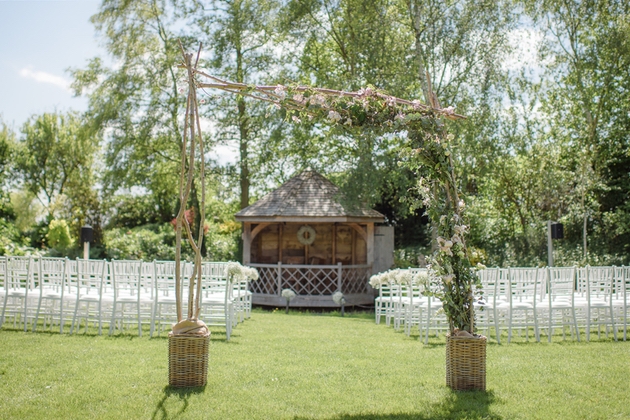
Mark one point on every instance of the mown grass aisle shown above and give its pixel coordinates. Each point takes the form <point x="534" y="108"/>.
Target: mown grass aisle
<point x="281" y="366"/>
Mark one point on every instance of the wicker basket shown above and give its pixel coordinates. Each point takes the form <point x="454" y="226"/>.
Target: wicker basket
<point x="466" y="363"/>
<point x="188" y="360"/>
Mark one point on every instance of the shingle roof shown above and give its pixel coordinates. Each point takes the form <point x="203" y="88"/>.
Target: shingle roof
<point x="307" y="195"/>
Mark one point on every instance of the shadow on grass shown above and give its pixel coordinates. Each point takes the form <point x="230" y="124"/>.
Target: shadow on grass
<point x="456" y="405"/>
<point x="173" y="394"/>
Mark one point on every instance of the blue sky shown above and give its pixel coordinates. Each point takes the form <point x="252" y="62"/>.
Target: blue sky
<point x="39" y="41"/>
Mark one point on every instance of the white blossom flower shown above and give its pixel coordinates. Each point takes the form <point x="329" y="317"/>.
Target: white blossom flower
<point x="456" y="239"/>
<point x="299" y="98"/>
<point x="448" y="279"/>
<point x="449" y="110"/>
<point x="296" y="119"/>
<point x="281" y="91"/>
<point x="334" y="116"/>
<point x="416" y="104"/>
<point x="460" y="229"/>
<point x="400" y="116"/>
<point x="338" y="298"/>
<point x="288" y="294"/>
<point x="462" y="205"/>
<point x="391" y="101"/>
<point x="376" y="281"/>
<point x="404" y="277"/>
<point x="421" y="276"/>
<point x="348" y="122"/>
<point x="445" y="246"/>
<point x="251" y="273"/>
<point x="318" y="99"/>
<point x="234" y="271"/>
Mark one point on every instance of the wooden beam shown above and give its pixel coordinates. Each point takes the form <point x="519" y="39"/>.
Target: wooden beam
<point x="247" y="243"/>
<point x="370" y="244"/>
<point x="359" y="230"/>
<point x="354" y="246"/>
<point x="280" y="229"/>
<point x="334" y="243"/>
<point x="257" y="230"/>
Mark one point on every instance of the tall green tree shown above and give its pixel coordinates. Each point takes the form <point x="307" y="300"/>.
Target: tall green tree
<point x="138" y="101"/>
<point x="240" y="38"/>
<point x="586" y="89"/>
<point x="55" y="160"/>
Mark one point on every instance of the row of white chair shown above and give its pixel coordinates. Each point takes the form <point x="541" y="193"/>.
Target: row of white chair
<point x="57" y="292"/>
<point x="537" y="300"/>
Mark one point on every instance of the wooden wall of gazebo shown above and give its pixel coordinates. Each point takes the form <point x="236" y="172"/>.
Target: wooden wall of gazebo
<point x="340" y="259"/>
<point x="345" y="243"/>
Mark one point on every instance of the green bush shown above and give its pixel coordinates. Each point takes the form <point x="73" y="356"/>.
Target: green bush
<point x="146" y="243"/>
<point x="58" y="235"/>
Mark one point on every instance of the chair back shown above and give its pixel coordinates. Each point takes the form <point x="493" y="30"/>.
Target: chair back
<point x="126" y="278"/>
<point x="599" y="283"/>
<point x="52" y="275"/>
<point x="523" y="284"/>
<point x="561" y="284"/>
<point x="89" y="277"/>
<point x="19" y="274"/>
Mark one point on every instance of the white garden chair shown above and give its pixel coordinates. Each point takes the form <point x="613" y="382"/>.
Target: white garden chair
<point x="595" y="287"/>
<point x="486" y="317"/>
<point x="87" y="280"/>
<point x="412" y="307"/>
<point x="19" y="283"/>
<point x="560" y="301"/>
<point x="621" y="299"/>
<point x="434" y="317"/>
<point x="53" y="294"/>
<point x="523" y="298"/>
<point x="132" y="303"/>
<point x="164" y="304"/>
<point x="217" y="305"/>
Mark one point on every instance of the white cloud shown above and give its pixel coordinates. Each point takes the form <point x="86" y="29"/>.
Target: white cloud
<point x="43" y="77"/>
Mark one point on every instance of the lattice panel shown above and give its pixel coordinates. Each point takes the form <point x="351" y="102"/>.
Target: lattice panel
<point x="310" y="281"/>
<point x="355" y="280"/>
<point x="267" y="281"/>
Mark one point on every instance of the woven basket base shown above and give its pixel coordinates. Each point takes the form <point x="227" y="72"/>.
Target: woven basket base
<point x="466" y="363"/>
<point x="188" y="360"/>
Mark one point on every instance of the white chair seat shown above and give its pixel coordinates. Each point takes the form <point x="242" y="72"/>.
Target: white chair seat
<point x="522" y="305"/>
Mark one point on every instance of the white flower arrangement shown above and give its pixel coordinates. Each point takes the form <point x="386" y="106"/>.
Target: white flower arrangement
<point x="288" y="294"/>
<point x="250" y="273"/>
<point x="421" y="276"/>
<point x="338" y="298"/>
<point x="376" y="281"/>
<point x="388" y="277"/>
<point x="404" y="277"/>
<point x="234" y="271"/>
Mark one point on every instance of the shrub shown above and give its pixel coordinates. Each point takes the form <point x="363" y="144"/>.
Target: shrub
<point x="58" y="235"/>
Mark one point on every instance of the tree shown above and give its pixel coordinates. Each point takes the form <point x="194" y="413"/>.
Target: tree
<point x="351" y="44"/>
<point x="138" y="101"/>
<point x="55" y="160"/>
<point x="7" y="147"/>
<point x="586" y="100"/>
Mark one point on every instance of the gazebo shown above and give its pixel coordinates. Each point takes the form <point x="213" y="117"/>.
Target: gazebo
<point x="301" y="237"/>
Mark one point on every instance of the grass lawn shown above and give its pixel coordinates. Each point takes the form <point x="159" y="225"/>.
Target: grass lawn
<point x="302" y="366"/>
